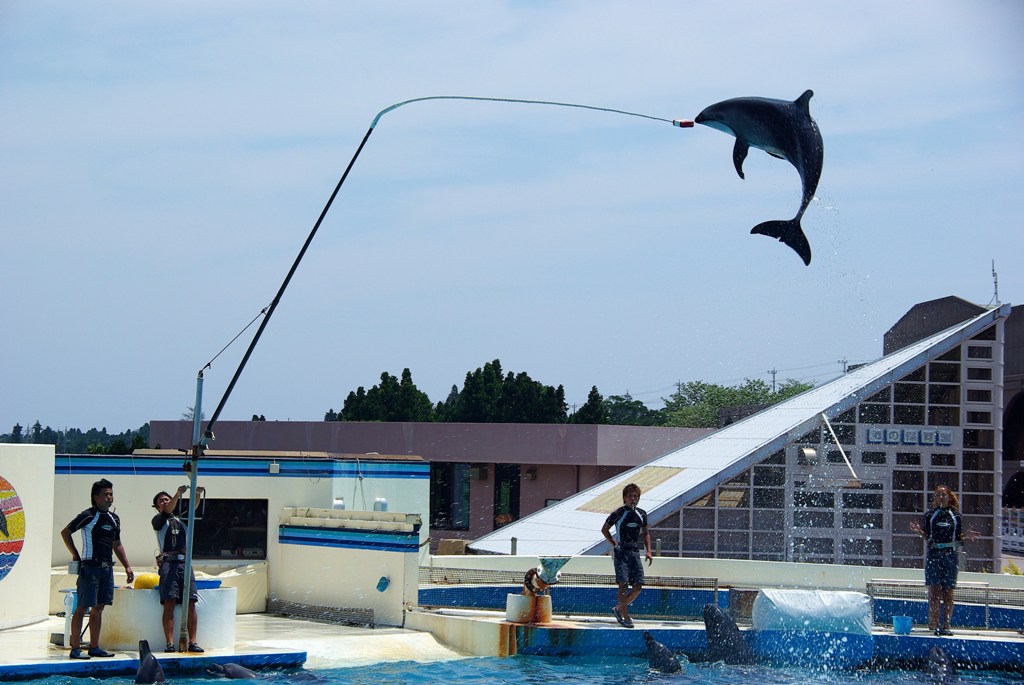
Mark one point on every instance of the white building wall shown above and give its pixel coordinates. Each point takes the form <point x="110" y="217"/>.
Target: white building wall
<point x="26" y="497"/>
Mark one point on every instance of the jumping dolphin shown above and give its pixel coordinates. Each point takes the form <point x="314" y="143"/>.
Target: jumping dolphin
<point x="940" y="667"/>
<point x="661" y="657"/>
<point x="725" y="641"/>
<point x="233" y="671"/>
<point x="784" y="130"/>
<point x="149" y="668"/>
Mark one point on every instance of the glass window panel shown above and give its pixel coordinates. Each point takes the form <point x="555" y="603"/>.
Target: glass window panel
<point x="976" y="437"/>
<point x="846" y="435"/>
<point x="813" y="519"/>
<point x="979" y="374"/>
<point x="836" y="457"/>
<point x="908" y="459"/>
<point x="449" y="496"/>
<point x="802" y="545"/>
<point x="874" y="413"/>
<point x="698" y="518"/>
<point x="987" y="334"/>
<point x="908" y="501"/>
<point x="943" y="373"/>
<point x="943" y="460"/>
<point x="909" y="393"/>
<point x="977" y="395"/>
<point x="769" y="476"/>
<point x="848" y="416"/>
<point x="769" y="498"/>
<point x="979" y="352"/>
<point x="917" y="375"/>
<point x="733" y="520"/>
<point x="982" y="525"/>
<point x="733" y="498"/>
<point x="859" y="521"/>
<point x="698" y="541"/>
<point x="733" y="542"/>
<point x="863" y="548"/>
<point x="670" y="522"/>
<point x="950" y="479"/>
<point x="978" y="482"/>
<point x="943" y="394"/>
<point x="943" y="416"/>
<point x="907" y="546"/>
<point x="907" y="480"/>
<point x="978" y="461"/>
<point x="769" y="542"/>
<point x="977" y="504"/>
<point x="769" y="520"/>
<point x="777" y="458"/>
<point x="230" y="528"/>
<point x="882" y="396"/>
<point x="908" y="414"/>
<point x="822" y="500"/>
<point x="984" y="417"/>
<point x="861" y="500"/>
<point x="952" y="356"/>
<point x="873" y="457"/>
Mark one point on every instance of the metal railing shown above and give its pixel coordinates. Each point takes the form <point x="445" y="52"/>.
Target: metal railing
<point x="976" y="593"/>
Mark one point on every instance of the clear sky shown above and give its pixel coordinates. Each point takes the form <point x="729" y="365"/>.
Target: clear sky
<point x="161" y="164"/>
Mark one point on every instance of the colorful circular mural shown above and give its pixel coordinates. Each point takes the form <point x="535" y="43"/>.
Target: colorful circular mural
<point x="12" y="527"/>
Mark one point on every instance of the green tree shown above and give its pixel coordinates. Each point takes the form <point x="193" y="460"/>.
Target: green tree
<point x="623" y="410"/>
<point x="17" y="433"/>
<point x="593" y="410"/>
<point x="696" y="404"/>
<point x="390" y="400"/>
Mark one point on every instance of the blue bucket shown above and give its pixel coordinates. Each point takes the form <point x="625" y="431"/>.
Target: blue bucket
<point x="901" y="625"/>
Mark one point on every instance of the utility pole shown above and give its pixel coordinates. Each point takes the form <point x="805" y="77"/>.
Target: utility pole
<point x="842" y="362"/>
<point x="773" y="371"/>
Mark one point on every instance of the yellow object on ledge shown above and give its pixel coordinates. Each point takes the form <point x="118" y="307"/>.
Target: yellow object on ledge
<point x="146" y="581"/>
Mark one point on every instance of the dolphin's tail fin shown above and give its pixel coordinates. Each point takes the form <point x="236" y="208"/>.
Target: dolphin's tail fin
<point x="788" y="232"/>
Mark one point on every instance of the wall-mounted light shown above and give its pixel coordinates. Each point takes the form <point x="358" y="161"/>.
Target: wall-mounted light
<point x="275" y="467"/>
<point x="531" y="474"/>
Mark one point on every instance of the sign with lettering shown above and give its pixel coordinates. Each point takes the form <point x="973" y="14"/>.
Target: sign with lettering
<point x="925" y="437"/>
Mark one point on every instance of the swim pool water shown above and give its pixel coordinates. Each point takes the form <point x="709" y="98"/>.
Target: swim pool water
<point x="535" y="670"/>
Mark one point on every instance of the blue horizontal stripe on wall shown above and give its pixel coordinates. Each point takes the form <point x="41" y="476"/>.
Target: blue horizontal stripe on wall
<point x="352" y="539"/>
<point x="141" y="466"/>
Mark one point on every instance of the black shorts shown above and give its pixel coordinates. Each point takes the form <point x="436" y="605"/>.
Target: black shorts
<point x="95" y="585"/>
<point x="172" y="580"/>
<point x="629" y="569"/>
<point x="941" y="567"/>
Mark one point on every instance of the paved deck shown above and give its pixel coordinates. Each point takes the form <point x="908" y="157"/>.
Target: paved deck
<point x="261" y="641"/>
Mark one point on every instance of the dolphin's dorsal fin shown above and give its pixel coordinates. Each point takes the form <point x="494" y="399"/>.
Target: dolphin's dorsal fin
<point x="804" y="101"/>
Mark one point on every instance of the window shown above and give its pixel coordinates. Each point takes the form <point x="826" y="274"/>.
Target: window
<point x="908" y="458"/>
<point x="975" y="395"/>
<point x="983" y="439"/>
<point x="944" y="394"/>
<point x="874" y="413"/>
<point x="943" y="373"/>
<point x="978" y="461"/>
<point x="228" y="528"/>
<point x="861" y="500"/>
<point x="449" y="496"/>
<point x="943" y="460"/>
<point x="987" y="334"/>
<point x="978" y="374"/>
<point x="943" y="416"/>
<point x="909" y="393"/>
<point x="875" y="458"/>
<point x="823" y="500"/>
<point x="974" y="352"/>
<point x="908" y="414"/>
<point x="984" y="417"/>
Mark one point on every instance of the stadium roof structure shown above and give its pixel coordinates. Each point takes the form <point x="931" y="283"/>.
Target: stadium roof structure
<point x="573" y="526"/>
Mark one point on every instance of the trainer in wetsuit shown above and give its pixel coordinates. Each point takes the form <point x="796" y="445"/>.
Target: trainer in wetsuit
<point x="101" y="540"/>
<point x="170" y="540"/>
<point x="631" y="531"/>
<point x="943" y="530"/>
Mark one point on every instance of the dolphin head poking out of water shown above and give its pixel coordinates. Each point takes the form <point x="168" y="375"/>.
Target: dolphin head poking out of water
<point x="150" y="670"/>
<point x="785" y="130"/>
<point x="661" y="657"/>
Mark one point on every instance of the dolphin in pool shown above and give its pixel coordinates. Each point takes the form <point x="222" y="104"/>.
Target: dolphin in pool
<point x="149" y="668"/>
<point x="725" y="641"/>
<point x="940" y="667"/>
<point x="785" y="130"/>
<point x="661" y="657"/>
<point x="233" y="671"/>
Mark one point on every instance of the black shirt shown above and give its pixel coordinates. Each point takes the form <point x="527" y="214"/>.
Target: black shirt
<point x="629" y="526"/>
<point x="942" y="526"/>
<point x="100" y="530"/>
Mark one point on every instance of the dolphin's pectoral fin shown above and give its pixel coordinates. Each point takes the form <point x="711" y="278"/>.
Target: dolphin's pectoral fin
<point x="788" y="232"/>
<point x="739" y="153"/>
